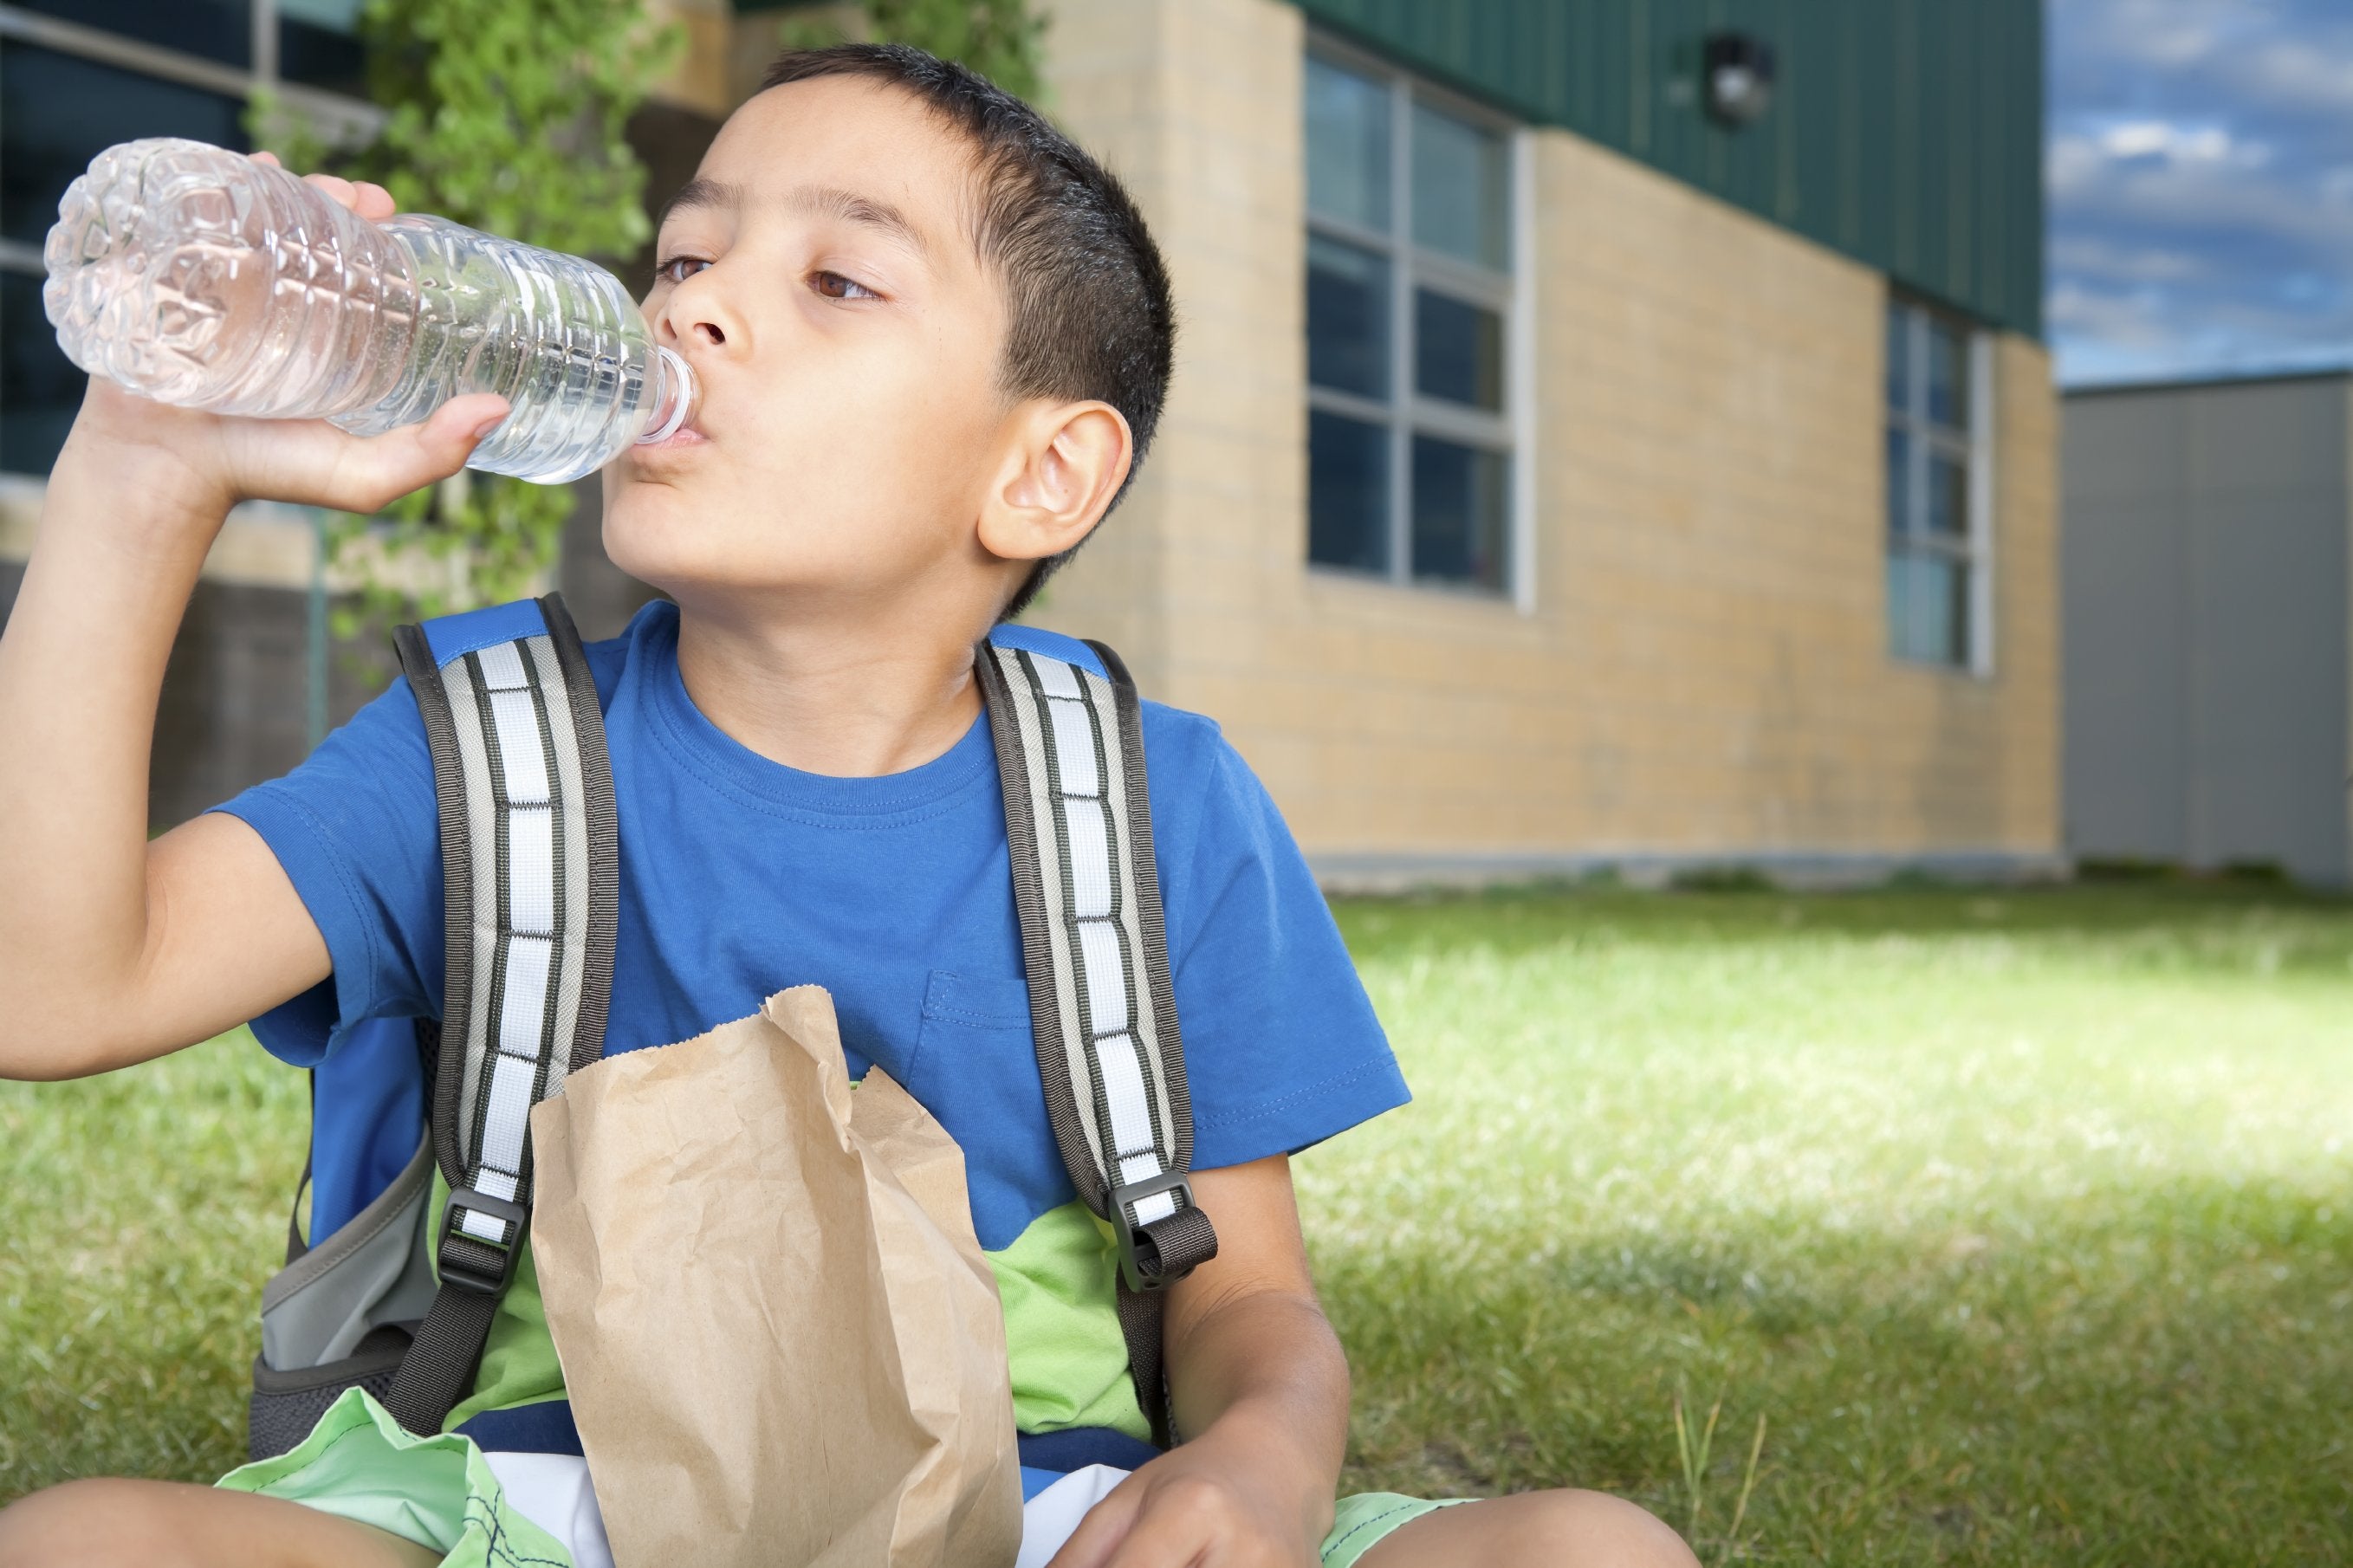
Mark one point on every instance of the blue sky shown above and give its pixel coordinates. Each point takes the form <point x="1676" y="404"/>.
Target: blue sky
<point x="2200" y="166"/>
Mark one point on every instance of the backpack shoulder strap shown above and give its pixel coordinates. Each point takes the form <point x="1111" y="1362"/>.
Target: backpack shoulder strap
<point x="530" y="861"/>
<point x="1069" y="750"/>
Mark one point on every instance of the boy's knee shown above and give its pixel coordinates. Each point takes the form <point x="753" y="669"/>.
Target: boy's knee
<point x="1569" y="1527"/>
<point x="102" y="1523"/>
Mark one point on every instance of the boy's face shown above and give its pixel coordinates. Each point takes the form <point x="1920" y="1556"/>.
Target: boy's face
<point x="820" y="278"/>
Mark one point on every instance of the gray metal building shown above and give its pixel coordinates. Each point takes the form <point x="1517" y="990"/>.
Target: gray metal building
<point x="2204" y="565"/>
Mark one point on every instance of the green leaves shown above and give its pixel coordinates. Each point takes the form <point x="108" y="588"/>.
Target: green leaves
<point x="513" y="118"/>
<point x="998" y="38"/>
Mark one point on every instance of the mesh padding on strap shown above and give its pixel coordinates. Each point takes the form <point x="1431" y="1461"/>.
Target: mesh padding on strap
<point x="1071" y="756"/>
<point x="530" y="868"/>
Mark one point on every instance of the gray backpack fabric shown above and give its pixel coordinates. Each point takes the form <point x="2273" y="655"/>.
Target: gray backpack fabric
<point x="399" y="1299"/>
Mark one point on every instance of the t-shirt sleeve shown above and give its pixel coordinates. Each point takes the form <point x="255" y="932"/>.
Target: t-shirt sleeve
<point x="358" y="832"/>
<point x="1282" y="1047"/>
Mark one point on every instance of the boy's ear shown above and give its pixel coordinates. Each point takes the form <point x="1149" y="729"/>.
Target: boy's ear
<point x="1062" y="463"/>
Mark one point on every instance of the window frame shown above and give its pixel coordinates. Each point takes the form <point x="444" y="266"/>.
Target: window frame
<point x="1973" y="445"/>
<point x="338" y="118"/>
<point x="1406" y="412"/>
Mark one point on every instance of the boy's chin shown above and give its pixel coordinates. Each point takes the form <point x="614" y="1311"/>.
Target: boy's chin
<point x="659" y="537"/>
<point x="692" y="550"/>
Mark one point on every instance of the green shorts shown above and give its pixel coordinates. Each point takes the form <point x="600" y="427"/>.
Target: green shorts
<point x="1365" y="1520"/>
<point x="358" y="1464"/>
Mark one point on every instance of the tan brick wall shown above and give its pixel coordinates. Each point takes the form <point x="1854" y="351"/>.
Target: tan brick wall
<point x="1705" y="669"/>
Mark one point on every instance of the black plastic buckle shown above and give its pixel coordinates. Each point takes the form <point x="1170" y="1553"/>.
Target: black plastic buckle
<point x="1139" y="1259"/>
<point x="459" y="1271"/>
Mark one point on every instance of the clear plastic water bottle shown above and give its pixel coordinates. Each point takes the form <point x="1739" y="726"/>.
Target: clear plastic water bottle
<point x="197" y="277"/>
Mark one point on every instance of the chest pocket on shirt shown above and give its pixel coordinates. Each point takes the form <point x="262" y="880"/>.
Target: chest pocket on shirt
<point x="976" y="1068"/>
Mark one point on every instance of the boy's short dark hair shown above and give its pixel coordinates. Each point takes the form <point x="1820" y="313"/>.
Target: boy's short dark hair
<point x="1088" y="310"/>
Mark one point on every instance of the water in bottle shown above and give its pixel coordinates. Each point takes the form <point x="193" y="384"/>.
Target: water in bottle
<point x="197" y="277"/>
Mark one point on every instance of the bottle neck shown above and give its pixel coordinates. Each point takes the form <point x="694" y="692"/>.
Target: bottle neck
<point x="674" y="396"/>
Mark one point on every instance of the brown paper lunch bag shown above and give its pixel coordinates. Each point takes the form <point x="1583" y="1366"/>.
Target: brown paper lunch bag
<point x="782" y="1342"/>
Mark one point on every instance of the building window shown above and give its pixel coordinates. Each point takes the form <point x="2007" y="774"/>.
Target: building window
<point x="79" y="76"/>
<point x="1410" y="324"/>
<point x="1937" y="467"/>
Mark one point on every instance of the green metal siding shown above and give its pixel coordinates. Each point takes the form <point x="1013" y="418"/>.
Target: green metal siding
<point x="1905" y="134"/>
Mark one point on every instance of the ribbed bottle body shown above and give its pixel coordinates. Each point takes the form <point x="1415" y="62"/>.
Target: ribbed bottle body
<point x="196" y="276"/>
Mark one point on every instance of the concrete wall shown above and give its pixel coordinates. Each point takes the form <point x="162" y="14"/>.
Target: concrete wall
<point x="2205" y="605"/>
<point x="1703" y="675"/>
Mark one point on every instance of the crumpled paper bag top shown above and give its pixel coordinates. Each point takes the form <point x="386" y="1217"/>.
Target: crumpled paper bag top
<point x="782" y="1342"/>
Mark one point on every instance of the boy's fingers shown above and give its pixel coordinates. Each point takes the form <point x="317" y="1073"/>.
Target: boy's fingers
<point x="342" y="191"/>
<point x="1100" y="1532"/>
<point x="1162" y="1537"/>
<point x="365" y="197"/>
<point x="372" y="474"/>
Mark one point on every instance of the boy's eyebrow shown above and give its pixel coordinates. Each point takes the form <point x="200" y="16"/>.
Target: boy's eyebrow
<point x="816" y="201"/>
<point x="831" y="201"/>
<point x="701" y="192"/>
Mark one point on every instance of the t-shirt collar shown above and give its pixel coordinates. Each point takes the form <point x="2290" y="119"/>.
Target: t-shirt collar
<point x="949" y="774"/>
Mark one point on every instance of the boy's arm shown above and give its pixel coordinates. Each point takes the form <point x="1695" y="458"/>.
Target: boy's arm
<point x="114" y="949"/>
<point x="1260" y="1389"/>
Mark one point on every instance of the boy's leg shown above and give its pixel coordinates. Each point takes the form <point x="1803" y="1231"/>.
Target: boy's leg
<point x="1562" y="1528"/>
<point x="175" y="1524"/>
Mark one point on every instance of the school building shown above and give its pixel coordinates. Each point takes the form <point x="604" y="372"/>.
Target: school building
<point x="1607" y="433"/>
<point x="2210" y="644"/>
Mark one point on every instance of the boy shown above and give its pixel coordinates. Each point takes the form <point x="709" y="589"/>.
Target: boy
<point x="933" y="339"/>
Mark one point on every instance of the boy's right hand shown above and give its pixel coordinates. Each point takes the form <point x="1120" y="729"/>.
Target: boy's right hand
<point x="205" y="463"/>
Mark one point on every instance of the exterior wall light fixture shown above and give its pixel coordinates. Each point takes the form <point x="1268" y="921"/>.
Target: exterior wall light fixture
<point x="1738" y="70"/>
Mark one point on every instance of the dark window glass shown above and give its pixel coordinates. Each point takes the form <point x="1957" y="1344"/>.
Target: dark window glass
<point x="216" y="29"/>
<point x="1459" y="512"/>
<point x="1948" y="375"/>
<point x="1347" y="318"/>
<point x="1899" y="357"/>
<point x="1899" y="480"/>
<point x="1347" y="145"/>
<point x="1347" y="493"/>
<point x="318" y="45"/>
<point x="39" y="388"/>
<point x="59" y="112"/>
<point x="1458" y="351"/>
<point x="1948" y="496"/>
<point x="1952" y="589"/>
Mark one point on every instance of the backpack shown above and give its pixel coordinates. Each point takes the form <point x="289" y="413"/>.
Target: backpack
<point x="399" y="1299"/>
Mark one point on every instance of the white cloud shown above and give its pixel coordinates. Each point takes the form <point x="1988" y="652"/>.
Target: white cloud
<point x="2199" y="169"/>
<point x="2298" y="75"/>
<point x="2166" y="34"/>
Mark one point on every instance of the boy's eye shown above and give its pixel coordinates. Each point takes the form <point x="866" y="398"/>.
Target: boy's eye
<point x="834" y="286"/>
<point x="679" y="269"/>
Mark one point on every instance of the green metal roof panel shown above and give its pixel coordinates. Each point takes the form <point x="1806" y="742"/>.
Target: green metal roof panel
<point x="1906" y="134"/>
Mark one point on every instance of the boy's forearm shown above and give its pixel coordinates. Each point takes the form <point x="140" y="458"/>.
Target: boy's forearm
<point x="82" y="666"/>
<point x="1265" y="1369"/>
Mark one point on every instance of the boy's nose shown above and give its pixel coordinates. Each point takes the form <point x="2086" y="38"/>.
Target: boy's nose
<point x="697" y="320"/>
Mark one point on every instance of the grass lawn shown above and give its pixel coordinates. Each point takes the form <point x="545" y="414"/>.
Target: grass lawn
<point x="2022" y="1221"/>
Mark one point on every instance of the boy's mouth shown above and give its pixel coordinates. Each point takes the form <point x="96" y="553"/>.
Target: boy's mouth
<point x="688" y="434"/>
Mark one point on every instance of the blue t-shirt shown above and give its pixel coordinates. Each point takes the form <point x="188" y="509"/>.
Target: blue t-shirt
<point x="739" y="877"/>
